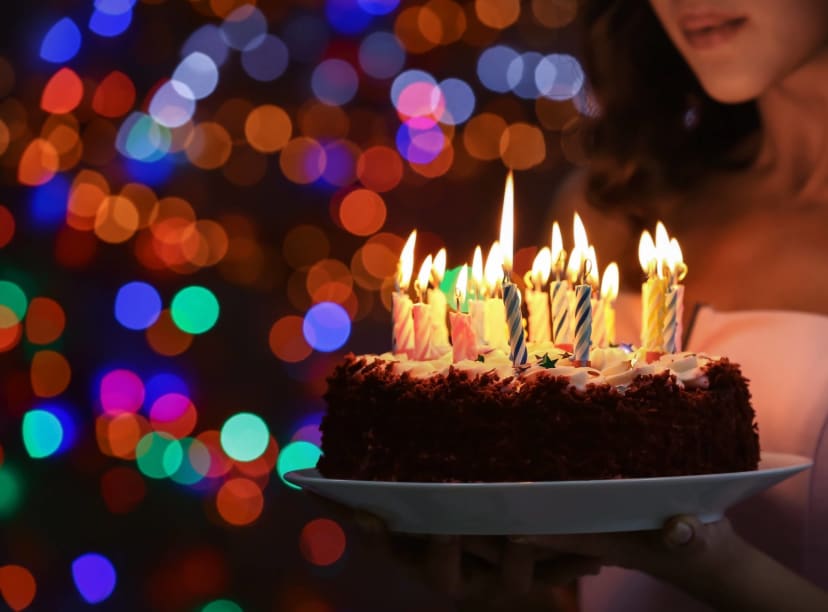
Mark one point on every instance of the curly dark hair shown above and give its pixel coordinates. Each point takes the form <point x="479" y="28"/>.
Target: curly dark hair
<point x="657" y="130"/>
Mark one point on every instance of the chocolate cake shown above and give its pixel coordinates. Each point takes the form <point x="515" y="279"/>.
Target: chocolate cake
<point x="486" y="421"/>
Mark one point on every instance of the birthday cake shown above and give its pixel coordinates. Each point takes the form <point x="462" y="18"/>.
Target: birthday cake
<point x="394" y="419"/>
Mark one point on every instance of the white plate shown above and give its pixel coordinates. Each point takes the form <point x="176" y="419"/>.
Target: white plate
<point x="578" y="506"/>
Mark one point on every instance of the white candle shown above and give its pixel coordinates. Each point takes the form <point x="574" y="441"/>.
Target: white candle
<point x="511" y="295"/>
<point x="401" y="305"/>
<point x="537" y="303"/>
<point x="674" y="300"/>
<point x="437" y="299"/>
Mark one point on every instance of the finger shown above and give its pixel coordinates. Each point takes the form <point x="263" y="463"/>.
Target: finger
<point x="443" y="564"/>
<point x="517" y="567"/>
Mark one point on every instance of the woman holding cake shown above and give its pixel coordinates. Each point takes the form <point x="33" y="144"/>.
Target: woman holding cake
<point x="713" y="120"/>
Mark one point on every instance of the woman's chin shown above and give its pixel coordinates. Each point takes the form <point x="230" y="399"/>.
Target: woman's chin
<point x="733" y="90"/>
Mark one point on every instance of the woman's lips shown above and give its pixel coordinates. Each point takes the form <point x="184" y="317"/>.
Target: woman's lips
<point x="707" y="31"/>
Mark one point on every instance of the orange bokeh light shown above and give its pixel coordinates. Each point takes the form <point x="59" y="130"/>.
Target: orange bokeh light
<point x="166" y="338"/>
<point x="114" y="96"/>
<point x="17" y="586"/>
<point x="362" y="212"/>
<point x="62" y="93"/>
<point x="50" y="373"/>
<point x="322" y="542"/>
<point x="268" y="128"/>
<point x="45" y="321"/>
<point x="239" y="501"/>
<point x="39" y="163"/>
<point x="380" y="168"/>
<point x="287" y="341"/>
<point x="7" y="226"/>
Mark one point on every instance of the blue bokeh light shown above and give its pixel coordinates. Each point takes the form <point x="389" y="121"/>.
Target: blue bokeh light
<point x="47" y="202"/>
<point x="493" y="66"/>
<point x="420" y="141"/>
<point x="114" y="7"/>
<point x="347" y="16"/>
<point x="164" y="383"/>
<point x="209" y="41"/>
<point x="62" y="42"/>
<point x="409" y="77"/>
<point x="560" y="77"/>
<point x="244" y="28"/>
<point x="94" y="577"/>
<point x="326" y="326"/>
<point x="378" y="7"/>
<point x="172" y="105"/>
<point x="381" y="55"/>
<point x="137" y="305"/>
<point x="198" y="74"/>
<point x="267" y="61"/>
<point x="152" y="173"/>
<point x="521" y="75"/>
<point x="334" y="82"/>
<point x="109" y="25"/>
<point x="340" y="163"/>
<point x="459" y="101"/>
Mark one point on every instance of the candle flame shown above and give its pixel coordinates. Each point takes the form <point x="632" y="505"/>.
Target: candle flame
<point x="424" y="274"/>
<point x="675" y="260"/>
<point x="573" y="268"/>
<point x="494" y="267"/>
<point x="592" y="267"/>
<point x="542" y="267"/>
<point x="579" y="233"/>
<point x="507" y="222"/>
<point x="438" y="268"/>
<point x="477" y="270"/>
<point x="460" y="287"/>
<point x="557" y="245"/>
<point x="662" y="247"/>
<point x="406" y="267"/>
<point x="647" y="253"/>
<point x="610" y="283"/>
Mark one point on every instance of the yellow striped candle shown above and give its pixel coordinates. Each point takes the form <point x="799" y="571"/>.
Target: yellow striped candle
<point x="652" y="296"/>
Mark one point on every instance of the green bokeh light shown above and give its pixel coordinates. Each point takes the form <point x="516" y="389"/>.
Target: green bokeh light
<point x="195" y="309"/>
<point x="193" y="456"/>
<point x="244" y="436"/>
<point x="13" y="298"/>
<point x="297" y="456"/>
<point x="222" y="605"/>
<point x="158" y="455"/>
<point x="10" y="492"/>
<point x="42" y="433"/>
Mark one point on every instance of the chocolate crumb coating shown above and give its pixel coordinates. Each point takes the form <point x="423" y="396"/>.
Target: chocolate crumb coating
<point x="457" y="427"/>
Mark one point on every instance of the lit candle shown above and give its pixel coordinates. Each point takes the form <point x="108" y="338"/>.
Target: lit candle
<point x="477" y="305"/>
<point x="437" y="299"/>
<point x="536" y="300"/>
<point x="559" y="291"/>
<point x="676" y="270"/>
<point x="401" y="311"/>
<point x="583" y="296"/>
<point x="463" y="338"/>
<point x="511" y="295"/>
<point x="652" y="298"/>
<point x="599" y="338"/>
<point x="496" y="332"/>
<point x="421" y="314"/>
<point x="610" y="283"/>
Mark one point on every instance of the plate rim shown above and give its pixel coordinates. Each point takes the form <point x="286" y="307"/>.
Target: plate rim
<point x="794" y="462"/>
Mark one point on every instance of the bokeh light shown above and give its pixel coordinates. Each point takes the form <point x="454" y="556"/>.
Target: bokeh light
<point x="244" y="436"/>
<point x="297" y="455"/>
<point x="121" y="390"/>
<point x="322" y="542"/>
<point x="326" y="326"/>
<point x="94" y="577"/>
<point x="222" y="605"/>
<point x="62" y="42"/>
<point x="137" y="305"/>
<point x="195" y="309"/>
<point x="42" y="433"/>
<point x="17" y="586"/>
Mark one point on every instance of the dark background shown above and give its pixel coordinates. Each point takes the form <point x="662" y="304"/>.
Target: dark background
<point x="170" y="547"/>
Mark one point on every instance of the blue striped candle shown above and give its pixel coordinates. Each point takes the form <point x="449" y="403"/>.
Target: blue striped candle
<point x="517" y="344"/>
<point x="583" y="323"/>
